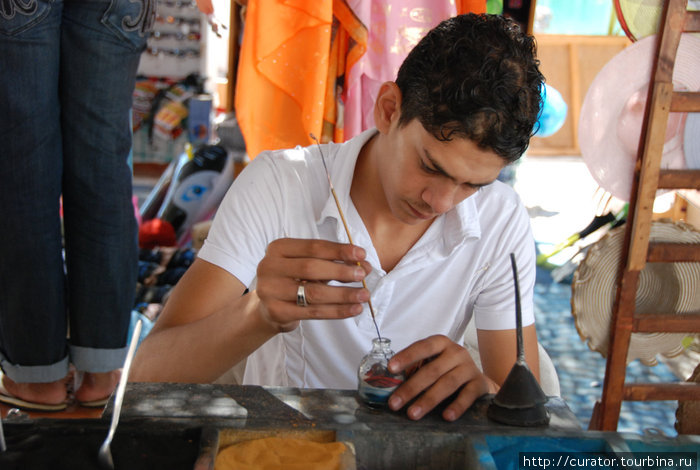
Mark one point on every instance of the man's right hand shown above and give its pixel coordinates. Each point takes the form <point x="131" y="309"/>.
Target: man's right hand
<point x="289" y="263"/>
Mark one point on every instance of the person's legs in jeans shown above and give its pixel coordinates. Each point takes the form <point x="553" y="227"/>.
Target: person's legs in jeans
<point x="99" y="58"/>
<point x="33" y="349"/>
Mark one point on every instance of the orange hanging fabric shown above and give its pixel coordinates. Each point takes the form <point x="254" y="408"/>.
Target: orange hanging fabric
<point x="282" y="72"/>
<point x="348" y="44"/>
<point x="471" y="6"/>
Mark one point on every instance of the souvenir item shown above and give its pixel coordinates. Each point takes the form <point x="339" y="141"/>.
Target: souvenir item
<point x="612" y="114"/>
<point x="669" y="288"/>
<point x="376" y="383"/>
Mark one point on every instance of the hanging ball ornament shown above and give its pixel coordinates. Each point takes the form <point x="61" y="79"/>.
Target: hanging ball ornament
<point x="553" y="114"/>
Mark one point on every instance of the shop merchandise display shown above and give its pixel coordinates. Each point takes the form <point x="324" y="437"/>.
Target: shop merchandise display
<point x="159" y="270"/>
<point x="185" y="197"/>
<point x="170" y="74"/>
<point x="375" y="382"/>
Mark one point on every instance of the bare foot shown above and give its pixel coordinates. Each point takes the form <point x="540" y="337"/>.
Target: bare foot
<point x="96" y="386"/>
<point x="49" y="393"/>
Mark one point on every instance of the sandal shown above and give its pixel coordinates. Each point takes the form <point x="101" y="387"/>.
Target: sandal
<point x="95" y="403"/>
<point x="9" y="399"/>
<point x="79" y="383"/>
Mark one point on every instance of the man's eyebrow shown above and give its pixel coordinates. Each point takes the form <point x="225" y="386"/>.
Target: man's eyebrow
<point x="437" y="167"/>
<point x="442" y="171"/>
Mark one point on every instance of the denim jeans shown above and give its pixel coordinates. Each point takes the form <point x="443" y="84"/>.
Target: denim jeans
<point x="67" y="73"/>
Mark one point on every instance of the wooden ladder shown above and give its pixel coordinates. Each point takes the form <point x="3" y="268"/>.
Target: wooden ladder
<point x="637" y="250"/>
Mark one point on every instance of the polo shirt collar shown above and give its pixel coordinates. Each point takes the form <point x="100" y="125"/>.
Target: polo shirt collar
<point x="461" y="223"/>
<point x="341" y="169"/>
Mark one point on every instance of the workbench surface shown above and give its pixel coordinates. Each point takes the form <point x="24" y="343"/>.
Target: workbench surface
<point x="189" y="423"/>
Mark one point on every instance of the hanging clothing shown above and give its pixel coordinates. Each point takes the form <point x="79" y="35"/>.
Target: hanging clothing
<point x="394" y="29"/>
<point x="282" y="73"/>
<point x="315" y="67"/>
<point x="348" y="45"/>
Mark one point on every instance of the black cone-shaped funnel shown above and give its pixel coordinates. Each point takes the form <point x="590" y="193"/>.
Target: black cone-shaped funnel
<point x="520" y="401"/>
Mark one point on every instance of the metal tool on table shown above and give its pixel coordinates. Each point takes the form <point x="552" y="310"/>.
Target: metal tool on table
<point x="104" y="455"/>
<point x="345" y="225"/>
<point x="520" y="401"/>
<point x="3" y="445"/>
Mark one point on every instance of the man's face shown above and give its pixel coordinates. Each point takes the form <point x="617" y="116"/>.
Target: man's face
<point x="425" y="177"/>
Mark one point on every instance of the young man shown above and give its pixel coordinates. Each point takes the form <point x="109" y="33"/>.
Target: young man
<point x="432" y="230"/>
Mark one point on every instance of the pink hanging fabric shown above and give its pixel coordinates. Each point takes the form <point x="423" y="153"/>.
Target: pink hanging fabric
<point x="393" y="29"/>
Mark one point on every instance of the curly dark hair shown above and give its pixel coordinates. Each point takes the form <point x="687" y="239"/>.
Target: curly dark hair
<point x="474" y="76"/>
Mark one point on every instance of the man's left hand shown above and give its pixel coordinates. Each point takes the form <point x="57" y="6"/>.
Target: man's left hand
<point x="437" y="367"/>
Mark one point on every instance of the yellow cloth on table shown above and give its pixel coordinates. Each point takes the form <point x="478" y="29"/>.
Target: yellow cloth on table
<point x="273" y="453"/>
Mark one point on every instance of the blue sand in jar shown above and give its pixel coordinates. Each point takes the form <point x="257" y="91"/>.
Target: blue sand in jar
<point x="375" y="396"/>
<point x="375" y="382"/>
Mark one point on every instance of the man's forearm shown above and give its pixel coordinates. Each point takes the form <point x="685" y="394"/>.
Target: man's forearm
<point x="201" y="351"/>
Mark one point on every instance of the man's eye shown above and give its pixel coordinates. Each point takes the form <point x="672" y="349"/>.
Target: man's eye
<point x="427" y="169"/>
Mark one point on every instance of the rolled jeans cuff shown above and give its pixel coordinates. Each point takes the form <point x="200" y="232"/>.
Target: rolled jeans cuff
<point x="97" y="360"/>
<point x="35" y="374"/>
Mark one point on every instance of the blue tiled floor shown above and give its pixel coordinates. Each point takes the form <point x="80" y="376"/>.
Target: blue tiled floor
<point x="581" y="371"/>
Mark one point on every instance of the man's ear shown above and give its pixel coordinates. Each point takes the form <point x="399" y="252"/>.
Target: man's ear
<point x="387" y="106"/>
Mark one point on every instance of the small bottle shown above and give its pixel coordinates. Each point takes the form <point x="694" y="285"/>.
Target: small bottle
<point x="375" y="382"/>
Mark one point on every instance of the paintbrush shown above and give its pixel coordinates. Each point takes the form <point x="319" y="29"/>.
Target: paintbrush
<point x="345" y="224"/>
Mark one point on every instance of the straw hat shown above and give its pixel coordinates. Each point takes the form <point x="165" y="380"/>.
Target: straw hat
<point x="612" y="113"/>
<point x="663" y="287"/>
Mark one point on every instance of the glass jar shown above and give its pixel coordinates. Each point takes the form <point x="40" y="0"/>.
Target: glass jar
<point x="375" y="382"/>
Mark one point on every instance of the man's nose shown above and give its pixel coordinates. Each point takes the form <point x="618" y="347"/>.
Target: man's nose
<point x="440" y="196"/>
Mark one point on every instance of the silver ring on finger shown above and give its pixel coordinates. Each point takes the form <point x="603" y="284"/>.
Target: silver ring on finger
<point x="301" y="296"/>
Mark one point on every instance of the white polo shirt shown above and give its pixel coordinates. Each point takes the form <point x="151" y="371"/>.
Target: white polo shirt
<point x="459" y="268"/>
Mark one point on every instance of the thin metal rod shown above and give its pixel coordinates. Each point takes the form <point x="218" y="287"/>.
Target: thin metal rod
<point x="518" y="312"/>
<point x="3" y="445"/>
<point x="345" y="225"/>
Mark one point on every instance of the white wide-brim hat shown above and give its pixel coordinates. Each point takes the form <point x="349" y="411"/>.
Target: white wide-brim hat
<point x="612" y="114"/>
